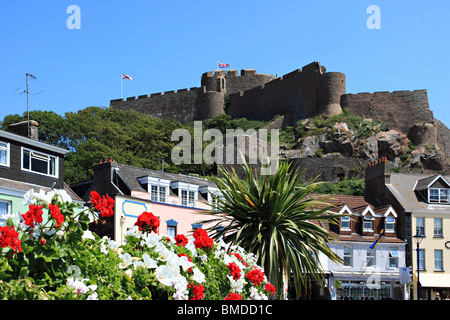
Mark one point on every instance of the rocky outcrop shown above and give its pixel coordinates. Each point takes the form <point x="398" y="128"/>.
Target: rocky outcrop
<point x="419" y="151"/>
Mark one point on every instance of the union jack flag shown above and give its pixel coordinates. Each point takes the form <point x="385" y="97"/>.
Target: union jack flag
<point x="223" y="65"/>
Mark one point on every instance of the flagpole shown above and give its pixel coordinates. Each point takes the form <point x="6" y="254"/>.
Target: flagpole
<point x="121" y="87"/>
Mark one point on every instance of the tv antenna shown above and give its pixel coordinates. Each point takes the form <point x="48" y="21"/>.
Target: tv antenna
<point x="27" y="91"/>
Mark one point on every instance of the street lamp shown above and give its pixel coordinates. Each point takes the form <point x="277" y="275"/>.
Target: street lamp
<point x="418" y="239"/>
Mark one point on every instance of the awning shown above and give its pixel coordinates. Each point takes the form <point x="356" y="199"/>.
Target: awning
<point x="435" y="280"/>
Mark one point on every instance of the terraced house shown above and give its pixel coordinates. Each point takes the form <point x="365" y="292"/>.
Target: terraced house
<point x="26" y="163"/>
<point x="422" y="203"/>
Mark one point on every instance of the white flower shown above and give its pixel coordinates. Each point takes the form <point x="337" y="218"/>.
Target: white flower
<point x="256" y="295"/>
<point x="164" y="275"/>
<point x="198" y="275"/>
<point x="4" y="218"/>
<point x="204" y="258"/>
<point x="29" y="198"/>
<point x="78" y="285"/>
<point x="129" y="273"/>
<point x="126" y="260"/>
<point x="93" y="296"/>
<point x="148" y="262"/>
<point x="184" y="263"/>
<point x="237" y="285"/>
<point x="63" y="195"/>
<point x="191" y="247"/>
<point x="88" y="235"/>
<point x="180" y="285"/>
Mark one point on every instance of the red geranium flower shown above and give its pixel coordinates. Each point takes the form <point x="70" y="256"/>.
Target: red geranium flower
<point x="233" y="296"/>
<point x="197" y="292"/>
<point x="255" y="276"/>
<point x="147" y="222"/>
<point x="96" y="200"/>
<point x="234" y="270"/>
<point x="32" y="215"/>
<point x="202" y="240"/>
<point x="10" y="237"/>
<point x="181" y="240"/>
<point x="270" y="288"/>
<point x="107" y="207"/>
<point x="56" y="214"/>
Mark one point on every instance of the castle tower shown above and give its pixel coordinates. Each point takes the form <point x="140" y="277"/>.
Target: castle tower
<point x="330" y="89"/>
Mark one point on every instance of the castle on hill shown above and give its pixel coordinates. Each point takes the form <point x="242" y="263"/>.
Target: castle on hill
<point x="298" y="95"/>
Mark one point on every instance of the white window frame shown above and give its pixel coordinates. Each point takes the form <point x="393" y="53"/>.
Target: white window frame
<point x="161" y="193"/>
<point x="36" y="156"/>
<point x="394" y="256"/>
<point x="348" y="253"/>
<point x="346" y="219"/>
<point x="390" y="224"/>
<point x="7" y="149"/>
<point x="439" y="261"/>
<point x="438" y="230"/>
<point x="442" y="196"/>
<point x="368" y="220"/>
<point x="190" y="189"/>
<point x="422" y="226"/>
<point x="8" y="203"/>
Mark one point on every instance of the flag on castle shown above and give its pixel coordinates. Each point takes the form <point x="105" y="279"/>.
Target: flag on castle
<point x="223" y="65"/>
<point x="124" y="76"/>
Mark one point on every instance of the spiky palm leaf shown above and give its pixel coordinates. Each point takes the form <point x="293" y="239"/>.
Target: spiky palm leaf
<point x="272" y="216"/>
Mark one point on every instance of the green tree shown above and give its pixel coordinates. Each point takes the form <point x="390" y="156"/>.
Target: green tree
<point x="274" y="217"/>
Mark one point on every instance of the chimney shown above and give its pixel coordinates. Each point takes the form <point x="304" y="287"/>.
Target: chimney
<point x="378" y="174"/>
<point x="27" y="129"/>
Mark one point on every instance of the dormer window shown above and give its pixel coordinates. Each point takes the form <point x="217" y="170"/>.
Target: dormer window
<point x="158" y="188"/>
<point x="390" y="224"/>
<point x="434" y="190"/>
<point x="187" y="192"/>
<point x="439" y="195"/>
<point x="345" y="223"/>
<point x="368" y="224"/>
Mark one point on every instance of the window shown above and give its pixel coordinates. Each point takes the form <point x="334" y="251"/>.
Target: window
<point x="347" y="256"/>
<point x="158" y="193"/>
<point x="345" y="223"/>
<point x="439" y="195"/>
<point x="370" y="257"/>
<point x="420" y="226"/>
<point x="421" y="259"/>
<point x="171" y="231"/>
<point x="368" y="224"/>
<point x="5" y="212"/>
<point x="438" y="227"/>
<point x="393" y="257"/>
<point x="390" y="224"/>
<point x="37" y="162"/>
<point x="438" y="265"/>
<point x="187" y="198"/>
<point x="4" y="154"/>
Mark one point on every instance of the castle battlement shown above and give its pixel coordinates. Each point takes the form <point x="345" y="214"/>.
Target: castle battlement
<point x="299" y="94"/>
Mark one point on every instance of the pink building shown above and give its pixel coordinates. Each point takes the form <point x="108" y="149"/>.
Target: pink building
<point x="177" y="200"/>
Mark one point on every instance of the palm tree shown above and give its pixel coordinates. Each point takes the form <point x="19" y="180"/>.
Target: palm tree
<point x="273" y="217"/>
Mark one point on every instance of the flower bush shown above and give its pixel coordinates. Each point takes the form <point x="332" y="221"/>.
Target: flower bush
<point x="57" y="257"/>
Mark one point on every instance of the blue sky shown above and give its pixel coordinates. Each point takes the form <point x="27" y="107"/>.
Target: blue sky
<point x="167" y="45"/>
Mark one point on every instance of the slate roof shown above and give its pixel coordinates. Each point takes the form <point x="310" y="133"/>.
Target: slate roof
<point x="402" y="186"/>
<point x="131" y="174"/>
<point x="27" y="186"/>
